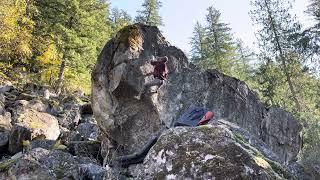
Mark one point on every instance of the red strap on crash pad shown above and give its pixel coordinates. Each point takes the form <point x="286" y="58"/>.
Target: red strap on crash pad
<point x="206" y="118"/>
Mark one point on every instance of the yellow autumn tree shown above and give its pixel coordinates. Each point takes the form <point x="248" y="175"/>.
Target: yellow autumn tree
<point x="16" y="29"/>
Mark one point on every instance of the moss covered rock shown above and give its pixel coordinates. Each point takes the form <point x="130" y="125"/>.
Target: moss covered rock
<point x="208" y="152"/>
<point x="45" y="164"/>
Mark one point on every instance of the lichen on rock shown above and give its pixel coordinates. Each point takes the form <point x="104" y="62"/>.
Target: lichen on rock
<point x="205" y="153"/>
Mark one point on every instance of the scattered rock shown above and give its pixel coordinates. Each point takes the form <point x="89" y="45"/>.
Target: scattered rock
<point x="5" y="128"/>
<point x="69" y="135"/>
<point x="27" y="97"/>
<point x="45" y="144"/>
<point x="40" y="163"/>
<point x="19" y="134"/>
<point x="33" y="104"/>
<point x="4" y="140"/>
<point x="20" y="106"/>
<point x="70" y="117"/>
<point x="89" y="149"/>
<point x="5" y="121"/>
<point x="88" y="118"/>
<point x="27" y="168"/>
<point x="61" y="163"/>
<point x="91" y="172"/>
<point x="2" y="106"/>
<point x="10" y="97"/>
<point x="86" y="109"/>
<point x="88" y="131"/>
<point x="32" y="125"/>
<point x="5" y="88"/>
<point x="41" y="124"/>
<point x="34" y="89"/>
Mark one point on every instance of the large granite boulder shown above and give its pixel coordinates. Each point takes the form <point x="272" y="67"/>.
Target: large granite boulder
<point x="32" y="125"/>
<point x="208" y="152"/>
<point x="128" y="123"/>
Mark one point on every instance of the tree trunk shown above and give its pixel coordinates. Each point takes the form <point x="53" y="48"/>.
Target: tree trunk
<point x="60" y="76"/>
<point x="283" y="60"/>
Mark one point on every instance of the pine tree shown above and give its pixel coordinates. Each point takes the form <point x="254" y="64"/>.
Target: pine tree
<point x="198" y="44"/>
<point x="212" y="45"/>
<point x="119" y="19"/>
<point x="150" y="13"/>
<point x="277" y="26"/>
<point x="77" y="27"/>
<point x="242" y="62"/>
<point x="309" y="39"/>
<point x="271" y="82"/>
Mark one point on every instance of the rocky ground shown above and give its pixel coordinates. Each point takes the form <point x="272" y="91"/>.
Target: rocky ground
<point x="43" y="136"/>
<point x="47" y="138"/>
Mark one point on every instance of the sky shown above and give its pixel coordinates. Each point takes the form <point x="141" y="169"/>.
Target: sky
<point x="180" y="16"/>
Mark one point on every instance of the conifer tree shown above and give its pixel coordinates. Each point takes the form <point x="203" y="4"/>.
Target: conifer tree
<point x="78" y="29"/>
<point x="277" y="26"/>
<point x="150" y="13"/>
<point x="212" y="45"/>
<point x="198" y="43"/>
<point x="309" y="40"/>
<point x="119" y="19"/>
<point x="244" y="57"/>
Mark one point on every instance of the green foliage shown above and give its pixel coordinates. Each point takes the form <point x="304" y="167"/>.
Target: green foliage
<point x="55" y="40"/>
<point x="219" y="42"/>
<point x="150" y="13"/>
<point x="16" y="28"/>
<point x="276" y="27"/>
<point x="78" y="30"/>
<point x="242" y="63"/>
<point x="284" y="77"/>
<point x="59" y="146"/>
<point x="308" y="42"/>
<point x="212" y="45"/>
<point x="119" y="19"/>
<point x="271" y="84"/>
<point x="311" y="145"/>
<point x="198" y="43"/>
<point x="6" y="164"/>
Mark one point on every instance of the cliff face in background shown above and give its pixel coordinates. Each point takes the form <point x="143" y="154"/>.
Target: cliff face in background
<point x="129" y="123"/>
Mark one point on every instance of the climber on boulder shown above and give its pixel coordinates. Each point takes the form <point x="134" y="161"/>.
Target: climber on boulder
<point x="160" y="73"/>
